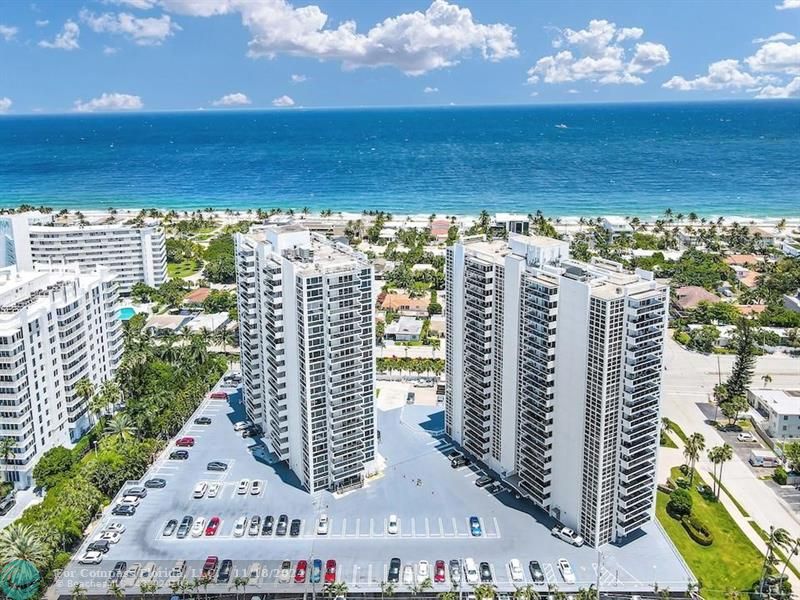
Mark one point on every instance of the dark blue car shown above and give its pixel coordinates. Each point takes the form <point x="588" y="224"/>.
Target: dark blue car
<point x="475" y="526"/>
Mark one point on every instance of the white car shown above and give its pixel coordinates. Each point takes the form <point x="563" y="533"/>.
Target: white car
<point x="746" y="436"/>
<point x="241" y="425"/>
<point x="213" y="489"/>
<point x="131" y="575"/>
<point x="255" y="487"/>
<point x="408" y="575"/>
<point x="239" y="526"/>
<point x="243" y="485"/>
<point x="566" y="570"/>
<point x="568" y="535"/>
<point x="393" y="526"/>
<point x="515" y="567"/>
<point x="322" y="525"/>
<point x="286" y="572"/>
<point x="112" y="537"/>
<point x="131" y="500"/>
<point x="253" y="571"/>
<point x="92" y="557"/>
<point x="116" y="526"/>
<point x="200" y="489"/>
<point x="423" y="571"/>
<point x="471" y="571"/>
<point x="199" y="527"/>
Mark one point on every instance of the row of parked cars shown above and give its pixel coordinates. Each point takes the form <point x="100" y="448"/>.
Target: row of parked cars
<point x="253" y="526"/>
<point x="205" y="489"/>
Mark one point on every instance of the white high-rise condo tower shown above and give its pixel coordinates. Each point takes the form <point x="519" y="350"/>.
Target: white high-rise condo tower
<point x="307" y="334"/>
<point x="554" y="378"/>
<point x="57" y="326"/>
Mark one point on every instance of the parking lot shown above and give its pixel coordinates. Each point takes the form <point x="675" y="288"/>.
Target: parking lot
<point x="432" y="501"/>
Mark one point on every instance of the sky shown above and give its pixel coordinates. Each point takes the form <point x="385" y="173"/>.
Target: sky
<point x="61" y="56"/>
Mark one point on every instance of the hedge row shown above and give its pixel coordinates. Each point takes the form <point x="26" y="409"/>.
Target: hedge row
<point x="697" y="530"/>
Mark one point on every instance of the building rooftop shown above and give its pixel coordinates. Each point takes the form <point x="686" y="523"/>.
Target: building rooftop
<point x="209" y="321"/>
<point x="404" y="326"/>
<point x="197" y="296"/>
<point x="167" y="322"/>
<point x="397" y="301"/>
<point x="784" y="402"/>
<point x="690" y="296"/>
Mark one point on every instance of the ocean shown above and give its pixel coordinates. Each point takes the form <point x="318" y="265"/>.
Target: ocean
<point x="732" y="158"/>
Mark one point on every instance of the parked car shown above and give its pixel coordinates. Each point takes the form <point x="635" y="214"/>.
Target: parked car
<point x="116" y="574"/>
<point x="294" y="528"/>
<point x="92" y="557"/>
<point x="156" y="482"/>
<point x="285" y="573"/>
<point x="199" y="527"/>
<point x="392" y="525"/>
<point x="238" y="426"/>
<point x="200" y="489"/>
<point x="185" y="442"/>
<point x="137" y="491"/>
<point x="131" y="501"/>
<point x="300" y="571"/>
<point x="179" y="455"/>
<point x="455" y="571"/>
<point x="423" y="571"/>
<point x="471" y="571"/>
<point x="100" y="546"/>
<point x="566" y="570"/>
<point x="483" y="481"/>
<point x="112" y="537"/>
<point x="330" y="571"/>
<point x="184" y="527"/>
<point x="568" y="535"/>
<point x="147" y="573"/>
<point x="515" y="568"/>
<point x="210" y="566"/>
<point x="453" y="454"/>
<point x="475" y="527"/>
<point x="115" y="526"/>
<point x="283" y="522"/>
<point x="316" y="571"/>
<point x="170" y="527"/>
<point x="459" y="461"/>
<point x="243" y="485"/>
<point x="216" y="465"/>
<point x="746" y="436"/>
<point x="255" y="487"/>
<point x="123" y="510"/>
<point x="255" y="525"/>
<point x="213" y="489"/>
<point x="394" y="571"/>
<point x="202" y="421"/>
<point x="439" y="573"/>
<point x="213" y="525"/>
<point x="225" y="568"/>
<point x="219" y="395"/>
<point x="322" y="525"/>
<point x="486" y="573"/>
<point x="252" y="431"/>
<point x="537" y="575"/>
<point x="408" y="575"/>
<point x="266" y="528"/>
<point x="239" y="526"/>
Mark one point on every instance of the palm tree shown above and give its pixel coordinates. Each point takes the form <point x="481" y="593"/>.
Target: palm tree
<point x="21" y="542"/>
<point x="778" y="538"/>
<point x="589" y="593"/>
<point x="148" y="588"/>
<point x="526" y="592"/>
<point x="335" y="590"/>
<point x="450" y="595"/>
<point x="387" y="589"/>
<point x="118" y="592"/>
<point x="695" y="444"/>
<point x="423" y="586"/>
<point x="78" y="592"/>
<point x="7" y="444"/>
<point x="121" y="426"/>
<point x="724" y="454"/>
<point x="767" y="379"/>
<point x="85" y="389"/>
<point x="240" y="582"/>
<point x="795" y="549"/>
<point x="484" y="591"/>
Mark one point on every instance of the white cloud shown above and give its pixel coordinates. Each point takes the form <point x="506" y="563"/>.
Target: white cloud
<point x="299" y="78"/>
<point x="787" y="4"/>
<point x="140" y="4"/>
<point x="723" y="74"/>
<point x="109" y="50"/>
<point x="430" y="90"/>
<point x="414" y="42"/>
<point x="777" y="57"/>
<point x="8" y="32"/>
<point x="283" y="101"/>
<point x="5" y="104"/>
<point x="598" y="54"/>
<point x="573" y="91"/>
<point x="66" y="40"/>
<point x="778" y="37"/>
<point x="789" y="90"/>
<point x="235" y="99"/>
<point x="110" y="102"/>
<point x="42" y="22"/>
<point x="148" y="31"/>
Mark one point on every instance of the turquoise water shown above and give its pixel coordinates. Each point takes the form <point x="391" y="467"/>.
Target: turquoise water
<point x="710" y="158"/>
<point x="125" y="313"/>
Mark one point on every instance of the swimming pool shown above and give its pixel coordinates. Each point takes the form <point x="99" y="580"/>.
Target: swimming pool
<point x="125" y="313"/>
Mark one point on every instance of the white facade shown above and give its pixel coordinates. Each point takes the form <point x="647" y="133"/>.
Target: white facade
<point x="780" y="409"/>
<point x="135" y="254"/>
<point x="307" y="335"/>
<point x="56" y="328"/>
<point x="554" y="377"/>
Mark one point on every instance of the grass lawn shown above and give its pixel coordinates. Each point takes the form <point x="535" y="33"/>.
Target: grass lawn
<point x="731" y="562"/>
<point x="676" y="429"/>
<point x="184" y="268"/>
<point x="667" y="442"/>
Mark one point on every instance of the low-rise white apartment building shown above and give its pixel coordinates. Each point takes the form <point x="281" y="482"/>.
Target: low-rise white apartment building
<point x="307" y="335"/>
<point x="780" y="410"/>
<point x="136" y="254"/>
<point x="56" y="327"/>
<point x="554" y="378"/>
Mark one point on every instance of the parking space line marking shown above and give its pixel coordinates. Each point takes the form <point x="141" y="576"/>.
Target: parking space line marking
<point x="455" y="527"/>
<point x="358" y="526"/>
<point x="413" y="527"/>
<point x="441" y="528"/>
<point x="427" y="528"/>
<point x="344" y="526"/>
<point x="496" y="527"/>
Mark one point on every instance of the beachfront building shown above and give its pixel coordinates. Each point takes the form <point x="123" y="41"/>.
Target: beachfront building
<point x="57" y="326"/>
<point x="136" y="254"/>
<point x="554" y="378"/>
<point x="307" y="338"/>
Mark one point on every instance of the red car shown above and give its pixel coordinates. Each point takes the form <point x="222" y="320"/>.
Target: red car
<point x="219" y="395"/>
<point x="210" y="566"/>
<point x="213" y="525"/>
<point x="438" y="572"/>
<point x="330" y="571"/>
<point x="300" y="572"/>
<point x="185" y="442"/>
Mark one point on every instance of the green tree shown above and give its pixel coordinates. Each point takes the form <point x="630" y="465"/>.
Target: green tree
<point x="767" y="379"/>
<point x="336" y="589"/>
<point x="744" y="365"/>
<point x="53" y="466"/>
<point x="121" y="426"/>
<point x="85" y="389"/>
<point x="679" y="503"/>
<point x="719" y="455"/>
<point x="78" y="592"/>
<point x="694" y="445"/>
<point x="21" y="542"/>
<point x="778" y="538"/>
<point x="7" y="445"/>
<point x="732" y="406"/>
<point x="791" y="450"/>
<point x="484" y="591"/>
